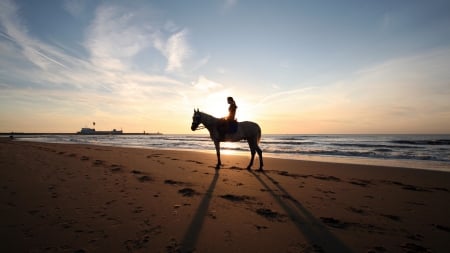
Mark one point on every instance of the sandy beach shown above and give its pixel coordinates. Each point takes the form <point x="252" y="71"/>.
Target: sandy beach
<point x="82" y="198"/>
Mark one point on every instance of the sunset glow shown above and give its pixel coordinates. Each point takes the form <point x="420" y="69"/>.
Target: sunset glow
<point x="294" y="67"/>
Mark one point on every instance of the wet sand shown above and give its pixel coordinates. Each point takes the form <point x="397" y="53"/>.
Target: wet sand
<point x="84" y="198"/>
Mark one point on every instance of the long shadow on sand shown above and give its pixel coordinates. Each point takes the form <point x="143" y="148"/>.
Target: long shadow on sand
<point x="191" y="236"/>
<point x="315" y="232"/>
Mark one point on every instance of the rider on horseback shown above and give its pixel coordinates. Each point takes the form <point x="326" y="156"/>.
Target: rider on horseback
<point x="228" y="124"/>
<point x="231" y="109"/>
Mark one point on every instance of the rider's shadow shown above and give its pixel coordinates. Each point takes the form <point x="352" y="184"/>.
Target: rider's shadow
<point x="313" y="229"/>
<point x="191" y="236"/>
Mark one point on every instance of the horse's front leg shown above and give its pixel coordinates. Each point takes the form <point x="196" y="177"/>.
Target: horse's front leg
<point x="219" y="163"/>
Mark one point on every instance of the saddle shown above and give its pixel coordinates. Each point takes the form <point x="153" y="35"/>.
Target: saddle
<point x="227" y="127"/>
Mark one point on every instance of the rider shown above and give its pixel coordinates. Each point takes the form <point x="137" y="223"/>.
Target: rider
<point x="231" y="109"/>
<point x="226" y="125"/>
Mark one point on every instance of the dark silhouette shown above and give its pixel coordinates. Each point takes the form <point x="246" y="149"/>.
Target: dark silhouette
<point x="229" y="123"/>
<point x="231" y="109"/>
<point x="245" y="130"/>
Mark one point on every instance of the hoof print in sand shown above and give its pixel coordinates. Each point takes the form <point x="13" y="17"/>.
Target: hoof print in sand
<point x="193" y="161"/>
<point x="187" y="192"/>
<point x="115" y="168"/>
<point x="391" y="217"/>
<point x="84" y="158"/>
<point x="235" y="198"/>
<point x="327" y="178"/>
<point x="412" y="247"/>
<point x="335" y="223"/>
<point x="259" y="227"/>
<point x="360" y="182"/>
<point x="441" y="227"/>
<point x="271" y="215"/>
<point x="144" y="178"/>
<point x="97" y="162"/>
<point x="173" y="182"/>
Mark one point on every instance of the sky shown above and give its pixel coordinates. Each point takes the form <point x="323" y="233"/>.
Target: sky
<point x="294" y="67"/>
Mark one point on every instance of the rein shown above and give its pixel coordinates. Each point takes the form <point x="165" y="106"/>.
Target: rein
<point x="200" y="127"/>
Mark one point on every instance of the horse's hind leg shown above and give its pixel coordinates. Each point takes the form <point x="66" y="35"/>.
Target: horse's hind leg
<point x="260" y="157"/>
<point x="253" y="152"/>
<point x="217" y="145"/>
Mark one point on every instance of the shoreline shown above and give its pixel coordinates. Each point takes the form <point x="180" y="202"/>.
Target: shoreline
<point x="88" y="198"/>
<point x="398" y="163"/>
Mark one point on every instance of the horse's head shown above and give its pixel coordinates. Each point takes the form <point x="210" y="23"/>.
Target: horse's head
<point x="196" y="119"/>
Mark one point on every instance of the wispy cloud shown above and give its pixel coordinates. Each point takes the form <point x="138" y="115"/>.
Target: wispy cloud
<point x="175" y="49"/>
<point x="39" y="54"/>
<point x="114" y="37"/>
<point x="203" y="84"/>
<point x="228" y="4"/>
<point x="35" y="69"/>
<point x="74" y="7"/>
<point x="402" y="94"/>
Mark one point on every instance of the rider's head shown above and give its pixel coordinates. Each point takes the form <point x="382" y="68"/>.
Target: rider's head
<point x="230" y="100"/>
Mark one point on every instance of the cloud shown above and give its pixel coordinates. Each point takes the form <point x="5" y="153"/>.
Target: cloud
<point x="39" y="54"/>
<point x="114" y="37"/>
<point x="228" y="4"/>
<point x="401" y="95"/>
<point x="118" y="34"/>
<point x="203" y="84"/>
<point x="74" y="7"/>
<point x="175" y="49"/>
<point x="33" y="68"/>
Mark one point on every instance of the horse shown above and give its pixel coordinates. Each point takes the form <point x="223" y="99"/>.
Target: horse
<point x="246" y="130"/>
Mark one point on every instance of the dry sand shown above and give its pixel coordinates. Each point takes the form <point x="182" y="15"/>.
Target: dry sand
<point x="81" y="198"/>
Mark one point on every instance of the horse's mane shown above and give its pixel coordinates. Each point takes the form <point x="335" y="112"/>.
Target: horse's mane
<point x="208" y="115"/>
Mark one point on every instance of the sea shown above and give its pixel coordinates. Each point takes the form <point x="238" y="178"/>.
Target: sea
<point x="431" y="152"/>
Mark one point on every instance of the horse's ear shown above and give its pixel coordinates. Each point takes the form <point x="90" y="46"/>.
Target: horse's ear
<point x="198" y="110"/>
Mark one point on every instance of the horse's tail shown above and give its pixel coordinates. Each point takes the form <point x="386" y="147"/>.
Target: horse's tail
<point x="259" y="134"/>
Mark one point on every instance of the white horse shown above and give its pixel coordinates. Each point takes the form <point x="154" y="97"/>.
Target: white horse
<point x="246" y="130"/>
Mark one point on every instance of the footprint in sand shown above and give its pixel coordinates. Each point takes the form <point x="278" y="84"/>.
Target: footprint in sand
<point x="412" y="247"/>
<point x="360" y="182"/>
<point x="441" y="227"/>
<point x="335" y="223"/>
<point x="271" y="215"/>
<point x="236" y="198"/>
<point x="327" y="178"/>
<point x="187" y="192"/>
<point x="145" y="178"/>
<point x="97" y="162"/>
<point x="391" y="217"/>
<point x="193" y="161"/>
<point x="115" y="168"/>
<point x="173" y="182"/>
<point x="357" y="210"/>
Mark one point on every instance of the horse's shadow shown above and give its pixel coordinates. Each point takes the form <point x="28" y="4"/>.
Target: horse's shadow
<point x="191" y="236"/>
<point x="313" y="229"/>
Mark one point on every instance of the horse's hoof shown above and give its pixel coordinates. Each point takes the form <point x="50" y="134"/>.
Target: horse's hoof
<point x="249" y="168"/>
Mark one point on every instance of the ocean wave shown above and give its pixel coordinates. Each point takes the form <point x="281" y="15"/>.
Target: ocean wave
<point x="363" y="154"/>
<point x="363" y="145"/>
<point x="423" y="142"/>
<point x="287" y="142"/>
